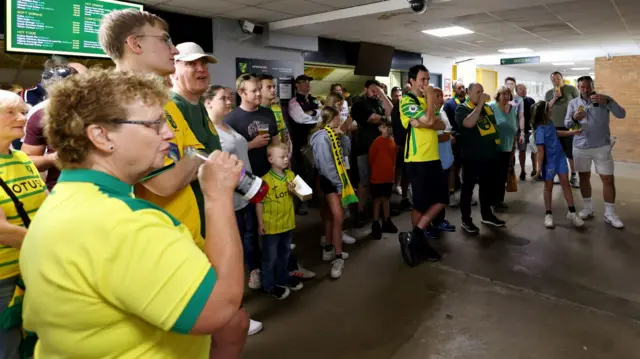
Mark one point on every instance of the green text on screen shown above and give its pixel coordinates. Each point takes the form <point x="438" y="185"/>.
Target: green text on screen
<point x="65" y="27"/>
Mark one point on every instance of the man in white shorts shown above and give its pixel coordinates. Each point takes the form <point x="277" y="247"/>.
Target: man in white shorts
<point x="590" y="112"/>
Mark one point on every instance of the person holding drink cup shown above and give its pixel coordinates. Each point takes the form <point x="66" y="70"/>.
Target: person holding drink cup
<point x="591" y="112"/>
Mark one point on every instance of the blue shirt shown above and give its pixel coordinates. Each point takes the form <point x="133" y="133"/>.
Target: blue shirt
<point x="547" y="136"/>
<point x="595" y="127"/>
<point x="444" y="148"/>
<point x="507" y="124"/>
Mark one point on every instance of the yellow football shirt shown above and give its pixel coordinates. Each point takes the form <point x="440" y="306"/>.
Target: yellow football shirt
<point x="22" y="177"/>
<point x="423" y="143"/>
<point x="111" y="276"/>
<point x="183" y="204"/>
<point x="278" y="215"/>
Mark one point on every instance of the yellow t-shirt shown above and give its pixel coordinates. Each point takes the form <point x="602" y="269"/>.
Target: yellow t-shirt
<point x="111" y="276"/>
<point x="22" y="177"/>
<point x="278" y="215"/>
<point x="423" y="144"/>
<point x="183" y="204"/>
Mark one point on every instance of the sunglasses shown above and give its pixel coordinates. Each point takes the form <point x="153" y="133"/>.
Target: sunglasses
<point x="59" y="72"/>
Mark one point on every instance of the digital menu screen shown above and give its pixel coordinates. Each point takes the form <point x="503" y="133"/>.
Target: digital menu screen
<point x="64" y="27"/>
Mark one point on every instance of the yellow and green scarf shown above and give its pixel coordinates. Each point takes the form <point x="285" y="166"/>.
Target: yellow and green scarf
<point x="348" y="194"/>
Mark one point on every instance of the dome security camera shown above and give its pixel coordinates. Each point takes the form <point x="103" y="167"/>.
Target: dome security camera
<point x="418" y="6"/>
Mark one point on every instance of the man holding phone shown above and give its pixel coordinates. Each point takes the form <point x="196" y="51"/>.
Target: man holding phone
<point x="591" y="113"/>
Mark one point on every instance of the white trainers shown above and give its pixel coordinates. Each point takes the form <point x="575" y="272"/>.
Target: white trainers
<point x="255" y="281"/>
<point x="453" y="202"/>
<point x="575" y="219"/>
<point x="548" y="221"/>
<point x="328" y="256"/>
<point x="613" y="220"/>
<point x="346" y="239"/>
<point x="254" y="327"/>
<point x="337" y="268"/>
<point x="302" y="273"/>
<point x="586" y="213"/>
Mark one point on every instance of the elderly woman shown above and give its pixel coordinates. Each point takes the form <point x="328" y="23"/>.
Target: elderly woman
<point x="506" y="121"/>
<point x="23" y="191"/>
<point x="113" y="276"/>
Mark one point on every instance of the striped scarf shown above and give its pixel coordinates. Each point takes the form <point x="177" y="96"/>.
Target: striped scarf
<point x="348" y="194"/>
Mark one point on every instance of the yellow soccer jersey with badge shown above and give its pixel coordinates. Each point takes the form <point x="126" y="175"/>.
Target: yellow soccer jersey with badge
<point x="183" y="204"/>
<point x="423" y="143"/>
<point x="22" y="177"/>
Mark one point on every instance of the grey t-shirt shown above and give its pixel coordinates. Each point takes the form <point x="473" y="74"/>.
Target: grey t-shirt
<point x="233" y="143"/>
<point x="559" y="111"/>
<point x="246" y="124"/>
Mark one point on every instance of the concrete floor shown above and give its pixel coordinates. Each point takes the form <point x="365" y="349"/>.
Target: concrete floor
<point x="522" y="292"/>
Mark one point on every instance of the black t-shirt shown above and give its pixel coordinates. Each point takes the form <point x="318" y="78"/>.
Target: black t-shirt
<point x="367" y="132"/>
<point x="528" y="103"/>
<point x="399" y="132"/>
<point x="246" y="123"/>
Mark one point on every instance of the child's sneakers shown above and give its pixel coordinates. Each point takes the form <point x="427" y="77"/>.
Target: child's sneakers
<point x="575" y="219"/>
<point x="255" y="282"/>
<point x="294" y="284"/>
<point x="337" y="267"/>
<point x="329" y="255"/>
<point x="389" y="227"/>
<point x="279" y="292"/>
<point x="254" y="327"/>
<point x="613" y="220"/>
<point x="548" y="221"/>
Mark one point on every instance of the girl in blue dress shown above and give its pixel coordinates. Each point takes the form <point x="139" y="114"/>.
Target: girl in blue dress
<point x="552" y="161"/>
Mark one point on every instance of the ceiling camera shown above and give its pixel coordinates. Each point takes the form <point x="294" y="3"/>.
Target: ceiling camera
<point x="418" y="6"/>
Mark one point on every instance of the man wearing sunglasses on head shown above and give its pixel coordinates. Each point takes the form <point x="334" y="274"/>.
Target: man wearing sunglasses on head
<point x="35" y="144"/>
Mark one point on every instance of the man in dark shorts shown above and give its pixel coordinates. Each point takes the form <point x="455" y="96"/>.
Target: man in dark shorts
<point x="421" y="156"/>
<point x="558" y="98"/>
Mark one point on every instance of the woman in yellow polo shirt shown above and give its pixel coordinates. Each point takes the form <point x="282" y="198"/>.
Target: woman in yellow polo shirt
<point x="109" y="275"/>
<point x="21" y="179"/>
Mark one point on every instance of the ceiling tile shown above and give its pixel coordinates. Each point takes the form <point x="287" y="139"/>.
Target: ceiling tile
<point x="341" y="4"/>
<point x="203" y="8"/>
<point x="257" y="15"/>
<point x="296" y="7"/>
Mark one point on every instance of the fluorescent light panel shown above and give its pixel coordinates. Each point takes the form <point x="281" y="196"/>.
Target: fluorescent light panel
<point x="580" y="68"/>
<point x="515" y="51"/>
<point x="562" y="63"/>
<point x="448" y="31"/>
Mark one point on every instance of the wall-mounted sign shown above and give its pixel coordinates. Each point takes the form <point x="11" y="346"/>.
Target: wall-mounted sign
<point x="282" y="72"/>
<point x="520" y="60"/>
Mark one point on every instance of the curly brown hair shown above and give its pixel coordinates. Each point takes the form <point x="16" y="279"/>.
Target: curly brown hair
<point x="97" y="97"/>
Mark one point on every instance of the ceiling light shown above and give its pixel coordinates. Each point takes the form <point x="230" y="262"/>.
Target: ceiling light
<point x="448" y="31"/>
<point x="515" y="51"/>
<point x="580" y="68"/>
<point x="562" y="63"/>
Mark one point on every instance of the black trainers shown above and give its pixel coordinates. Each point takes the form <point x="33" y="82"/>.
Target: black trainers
<point x="410" y="257"/>
<point x="279" y="292"/>
<point x="470" y="227"/>
<point x="376" y="230"/>
<point x="493" y="221"/>
<point x="523" y="176"/>
<point x="389" y="227"/>
<point x="294" y="284"/>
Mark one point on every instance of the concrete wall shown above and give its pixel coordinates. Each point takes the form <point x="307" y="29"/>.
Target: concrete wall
<point x="438" y="65"/>
<point x="229" y="42"/>
<point x="618" y="78"/>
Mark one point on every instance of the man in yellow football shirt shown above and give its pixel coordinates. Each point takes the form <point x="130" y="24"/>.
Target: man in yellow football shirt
<point x="148" y="48"/>
<point x="428" y="182"/>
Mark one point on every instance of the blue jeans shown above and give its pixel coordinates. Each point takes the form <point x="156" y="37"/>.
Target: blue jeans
<point x="246" y="219"/>
<point x="276" y="250"/>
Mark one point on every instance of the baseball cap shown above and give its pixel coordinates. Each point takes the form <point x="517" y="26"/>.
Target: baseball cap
<point x="190" y="51"/>
<point x="303" y="78"/>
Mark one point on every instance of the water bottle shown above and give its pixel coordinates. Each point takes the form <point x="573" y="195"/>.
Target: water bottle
<point x="251" y="187"/>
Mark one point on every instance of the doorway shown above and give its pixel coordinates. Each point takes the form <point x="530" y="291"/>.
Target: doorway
<point x="488" y="79"/>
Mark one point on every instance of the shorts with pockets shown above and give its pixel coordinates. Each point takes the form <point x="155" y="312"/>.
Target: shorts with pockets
<point x="600" y="156"/>
<point x="363" y="169"/>
<point x="429" y="184"/>
<point x="381" y="190"/>
<point x="566" y="142"/>
<point x="554" y="165"/>
<point x="523" y="146"/>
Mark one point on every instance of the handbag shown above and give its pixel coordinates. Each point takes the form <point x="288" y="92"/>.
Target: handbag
<point x="512" y="180"/>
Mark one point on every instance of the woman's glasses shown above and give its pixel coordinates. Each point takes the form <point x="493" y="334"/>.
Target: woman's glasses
<point x="157" y="124"/>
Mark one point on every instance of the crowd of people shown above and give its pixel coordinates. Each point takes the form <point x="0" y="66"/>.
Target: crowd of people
<point x="126" y="249"/>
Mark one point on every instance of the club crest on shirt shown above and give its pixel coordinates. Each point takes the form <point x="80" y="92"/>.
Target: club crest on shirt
<point x="172" y="123"/>
<point x="485" y="126"/>
<point x="212" y="128"/>
<point x="413" y="108"/>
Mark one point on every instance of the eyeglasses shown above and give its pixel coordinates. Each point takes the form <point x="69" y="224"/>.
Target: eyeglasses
<point x="59" y="71"/>
<point x="165" y="38"/>
<point x="157" y="124"/>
